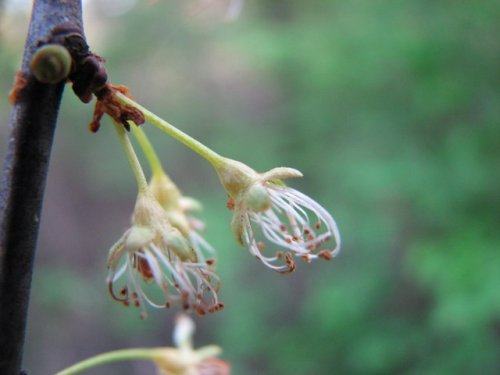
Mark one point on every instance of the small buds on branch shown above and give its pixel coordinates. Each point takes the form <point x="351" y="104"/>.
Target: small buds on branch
<point x="51" y="63"/>
<point x="87" y="72"/>
<point x="64" y="54"/>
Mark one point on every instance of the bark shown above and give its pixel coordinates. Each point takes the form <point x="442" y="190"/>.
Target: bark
<point x="32" y="125"/>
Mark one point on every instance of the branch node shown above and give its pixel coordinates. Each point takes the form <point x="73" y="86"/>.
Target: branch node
<point x="119" y="112"/>
<point x="87" y="72"/>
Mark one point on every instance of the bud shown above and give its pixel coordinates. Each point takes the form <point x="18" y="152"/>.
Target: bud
<point x="51" y="63"/>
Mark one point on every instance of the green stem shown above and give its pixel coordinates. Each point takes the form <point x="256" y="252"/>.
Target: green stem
<point x="147" y="147"/>
<point x="142" y="184"/>
<point x="114" y="356"/>
<point x="171" y="130"/>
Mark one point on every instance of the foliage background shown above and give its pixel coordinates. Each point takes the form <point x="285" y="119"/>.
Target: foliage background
<point x="391" y="110"/>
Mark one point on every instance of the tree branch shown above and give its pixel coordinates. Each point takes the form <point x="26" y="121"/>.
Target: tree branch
<point x="32" y="124"/>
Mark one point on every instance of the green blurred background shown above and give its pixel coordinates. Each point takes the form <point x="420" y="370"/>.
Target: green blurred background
<point x="391" y="109"/>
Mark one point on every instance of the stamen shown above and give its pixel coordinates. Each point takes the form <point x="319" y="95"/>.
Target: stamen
<point x="210" y="262"/>
<point x="144" y="268"/>
<point x="290" y="264"/>
<point x="325" y="254"/>
<point x="230" y="203"/>
<point x="114" y="296"/>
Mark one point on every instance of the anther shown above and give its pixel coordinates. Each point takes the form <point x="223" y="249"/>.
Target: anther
<point x="230" y="203"/>
<point x="210" y="262"/>
<point x="200" y="311"/>
<point x="290" y="262"/>
<point x="325" y="254"/>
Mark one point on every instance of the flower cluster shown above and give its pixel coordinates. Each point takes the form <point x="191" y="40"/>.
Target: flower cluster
<point x="165" y="247"/>
<point x="153" y="252"/>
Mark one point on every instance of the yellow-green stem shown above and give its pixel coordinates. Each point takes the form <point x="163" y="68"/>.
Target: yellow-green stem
<point x="114" y="356"/>
<point x="171" y="130"/>
<point x="142" y="184"/>
<point x="147" y="148"/>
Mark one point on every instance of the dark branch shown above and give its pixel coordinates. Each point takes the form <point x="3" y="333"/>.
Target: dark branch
<point x="32" y="125"/>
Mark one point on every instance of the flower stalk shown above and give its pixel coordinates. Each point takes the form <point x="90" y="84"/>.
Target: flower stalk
<point x="109" y="357"/>
<point x="168" y="128"/>
<point x="140" y="178"/>
<point x="147" y="148"/>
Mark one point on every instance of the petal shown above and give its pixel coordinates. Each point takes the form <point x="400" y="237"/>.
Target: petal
<point x="137" y="237"/>
<point x="190" y="204"/>
<point x="237" y="226"/>
<point x="115" y="253"/>
<point x="280" y="173"/>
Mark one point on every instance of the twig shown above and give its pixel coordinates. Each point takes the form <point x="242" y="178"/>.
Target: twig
<point x="32" y="124"/>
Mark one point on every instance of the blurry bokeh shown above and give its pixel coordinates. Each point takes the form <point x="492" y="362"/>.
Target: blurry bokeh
<point x="391" y="109"/>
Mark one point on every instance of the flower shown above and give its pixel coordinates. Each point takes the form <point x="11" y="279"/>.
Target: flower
<point x="266" y="210"/>
<point x="154" y="253"/>
<point x="177" y="208"/>
<point x="184" y="360"/>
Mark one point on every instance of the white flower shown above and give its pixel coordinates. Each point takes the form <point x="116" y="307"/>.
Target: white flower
<point x="153" y="263"/>
<point x="178" y="209"/>
<point x="184" y="359"/>
<point x="267" y="212"/>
